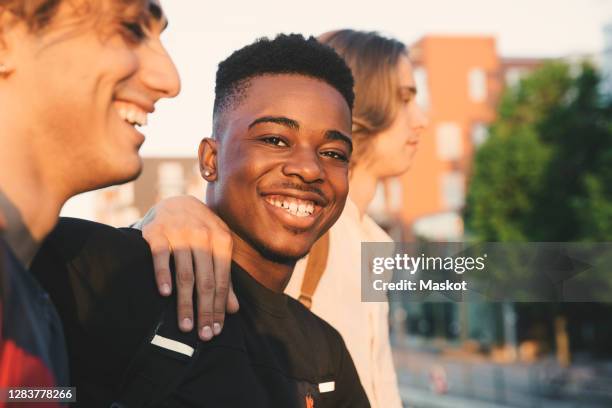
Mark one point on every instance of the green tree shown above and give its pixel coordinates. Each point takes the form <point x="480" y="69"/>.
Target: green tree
<point x="545" y="173"/>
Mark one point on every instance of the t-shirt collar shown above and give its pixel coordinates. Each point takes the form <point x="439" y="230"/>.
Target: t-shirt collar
<point x="251" y="290"/>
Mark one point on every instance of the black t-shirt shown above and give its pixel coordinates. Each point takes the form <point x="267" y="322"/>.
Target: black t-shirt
<point x="272" y="353"/>
<point x="32" y="348"/>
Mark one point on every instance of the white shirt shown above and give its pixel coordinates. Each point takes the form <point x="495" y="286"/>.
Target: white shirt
<point x="337" y="299"/>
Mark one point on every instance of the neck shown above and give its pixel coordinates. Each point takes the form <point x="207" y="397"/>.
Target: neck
<point x="362" y="187"/>
<point x="273" y="275"/>
<point x="28" y="205"/>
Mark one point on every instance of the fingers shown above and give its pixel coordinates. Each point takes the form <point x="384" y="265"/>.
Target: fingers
<point x="160" y="249"/>
<point x="232" y="305"/>
<point x="205" y="285"/>
<point x="184" y="282"/>
<point x="201" y="244"/>
<point x="222" y="259"/>
<point x="194" y="267"/>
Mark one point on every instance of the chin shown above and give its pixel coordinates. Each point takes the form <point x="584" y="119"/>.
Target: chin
<point x="122" y="178"/>
<point x="394" y="173"/>
<point x="129" y="168"/>
<point x="405" y="169"/>
<point x="127" y="177"/>
<point x="117" y="173"/>
<point x="282" y="253"/>
<point x="281" y="257"/>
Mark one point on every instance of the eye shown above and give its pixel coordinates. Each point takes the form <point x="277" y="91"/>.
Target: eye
<point x="133" y="32"/>
<point x="407" y="99"/>
<point x="336" y="155"/>
<point x="275" y="140"/>
<point x="406" y="95"/>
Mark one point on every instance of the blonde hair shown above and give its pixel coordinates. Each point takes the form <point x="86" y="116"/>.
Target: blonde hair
<point x="373" y="59"/>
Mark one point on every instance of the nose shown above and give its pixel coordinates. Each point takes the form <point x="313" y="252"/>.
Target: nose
<point x="420" y="119"/>
<point x="159" y="73"/>
<point x="304" y="163"/>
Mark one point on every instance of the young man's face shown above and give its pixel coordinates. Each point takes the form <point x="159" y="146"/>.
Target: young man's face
<point x="282" y="164"/>
<point x="80" y="85"/>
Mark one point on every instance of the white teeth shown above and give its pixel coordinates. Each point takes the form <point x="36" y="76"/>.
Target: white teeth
<point x="131" y="113"/>
<point x="293" y="206"/>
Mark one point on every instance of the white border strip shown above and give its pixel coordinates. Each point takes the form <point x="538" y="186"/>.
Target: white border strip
<point x="173" y="345"/>
<point x="327" y="387"/>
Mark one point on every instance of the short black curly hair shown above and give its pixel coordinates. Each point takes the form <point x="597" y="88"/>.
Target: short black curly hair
<point x="285" y="54"/>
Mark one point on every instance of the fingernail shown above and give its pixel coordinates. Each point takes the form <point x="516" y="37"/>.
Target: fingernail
<point x="216" y="328"/>
<point x="165" y="289"/>
<point x="187" y="324"/>
<point x="206" y="333"/>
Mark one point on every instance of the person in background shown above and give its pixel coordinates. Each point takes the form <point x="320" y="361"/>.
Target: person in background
<point x="76" y="80"/>
<point x="387" y="126"/>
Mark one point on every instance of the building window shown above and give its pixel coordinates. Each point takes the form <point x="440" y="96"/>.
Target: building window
<point x="453" y="190"/>
<point x="513" y="76"/>
<point x="606" y="66"/>
<point x="477" y="82"/>
<point x="126" y="194"/>
<point x="448" y="141"/>
<point x="387" y="200"/>
<point x="115" y="205"/>
<point x="171" y="179"/>
<point x="420" y="79"/>
<point x="446" y="226"/>
<point x="480" y="134"/>
<point x="394" y="192"/>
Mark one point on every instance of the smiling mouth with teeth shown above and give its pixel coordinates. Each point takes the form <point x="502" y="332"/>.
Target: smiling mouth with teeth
<point x="131" y="113"/>
<point x="294" y="206"/>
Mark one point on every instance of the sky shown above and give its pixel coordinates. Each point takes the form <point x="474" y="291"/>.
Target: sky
<point x="202" y="33"/>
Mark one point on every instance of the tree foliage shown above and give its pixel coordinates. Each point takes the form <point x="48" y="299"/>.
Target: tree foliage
<point x="545" y="172"/>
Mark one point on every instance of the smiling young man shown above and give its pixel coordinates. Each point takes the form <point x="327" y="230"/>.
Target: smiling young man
<point x="75" y="77"/>
<point x="277" y="170"/>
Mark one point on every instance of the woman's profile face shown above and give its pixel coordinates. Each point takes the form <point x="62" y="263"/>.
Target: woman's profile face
<point x="394" y="148"/>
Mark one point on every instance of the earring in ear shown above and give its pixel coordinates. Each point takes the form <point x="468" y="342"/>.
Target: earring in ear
<point x="206" y="173"/>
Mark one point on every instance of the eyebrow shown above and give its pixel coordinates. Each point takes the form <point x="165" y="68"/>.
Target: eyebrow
<point x="336" y="135"/>
<point x="293" y="124"/>
<point x="279" y="120"/>
<point x="157" y="13"/>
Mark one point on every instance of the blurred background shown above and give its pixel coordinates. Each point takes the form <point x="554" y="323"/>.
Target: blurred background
<point x="519" y="148"/>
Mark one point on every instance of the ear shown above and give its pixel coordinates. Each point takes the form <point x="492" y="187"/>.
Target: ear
<point x="207" y="156"/>
<point x="11" y="34"/>
<point x="6" y="66"/>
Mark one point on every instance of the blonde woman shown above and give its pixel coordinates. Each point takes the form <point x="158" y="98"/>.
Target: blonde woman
<point x="387" y="125"/>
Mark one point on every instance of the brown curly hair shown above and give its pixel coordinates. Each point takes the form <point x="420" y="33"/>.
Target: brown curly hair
<point x="38" y="14"/>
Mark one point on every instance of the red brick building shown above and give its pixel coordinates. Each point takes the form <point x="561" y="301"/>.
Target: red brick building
<point x="459" y="80"/>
